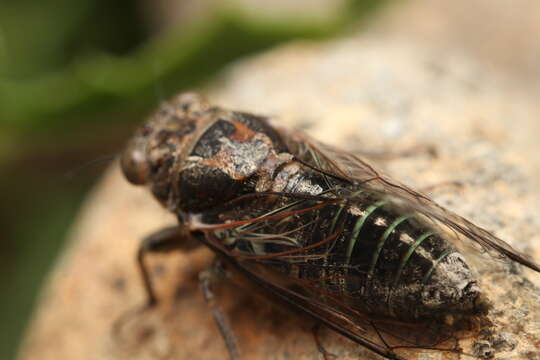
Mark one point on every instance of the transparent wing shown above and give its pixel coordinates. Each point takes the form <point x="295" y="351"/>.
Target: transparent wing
<point x="353" y="169"/>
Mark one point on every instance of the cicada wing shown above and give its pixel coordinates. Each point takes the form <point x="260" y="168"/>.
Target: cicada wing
<point x="386" y="337"/>
<point x="353" y="169"/>
<point x="294" y="297"/>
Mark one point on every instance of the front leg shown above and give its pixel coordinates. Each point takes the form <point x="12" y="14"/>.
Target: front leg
<point x="165" y="240"/>
<point x="179" y="238"/>
<point x="174" y="238"/>
<point x="162" y="241"/>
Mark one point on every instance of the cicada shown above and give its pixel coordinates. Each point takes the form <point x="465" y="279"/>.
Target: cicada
<point x="318" y="227"/>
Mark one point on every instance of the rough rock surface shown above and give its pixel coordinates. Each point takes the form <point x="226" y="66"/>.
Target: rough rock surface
<point x="359" y="93"/>
<point x="496" y="31"/>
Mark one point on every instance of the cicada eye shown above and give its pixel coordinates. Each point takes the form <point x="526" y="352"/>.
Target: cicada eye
<point x="134" y="162"/>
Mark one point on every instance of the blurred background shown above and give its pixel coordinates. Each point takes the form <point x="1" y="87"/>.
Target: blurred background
<point x="77" y="76"/>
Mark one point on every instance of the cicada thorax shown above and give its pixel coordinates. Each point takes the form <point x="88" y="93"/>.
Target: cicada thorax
<point x="235" y="155"/>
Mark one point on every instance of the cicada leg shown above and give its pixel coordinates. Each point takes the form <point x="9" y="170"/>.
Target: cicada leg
<point x="207" y="279"/>
<point x="174" y="238"/>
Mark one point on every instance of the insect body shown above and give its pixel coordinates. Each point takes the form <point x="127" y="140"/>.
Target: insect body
<point x="316" y="226"/>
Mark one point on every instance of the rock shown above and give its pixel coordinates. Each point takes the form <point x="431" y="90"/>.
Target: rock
<point x="496" y="31"/>
<point x="360" y="93"/>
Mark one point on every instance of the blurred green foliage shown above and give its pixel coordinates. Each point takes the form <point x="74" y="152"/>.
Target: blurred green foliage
<point x="75" y="76"/>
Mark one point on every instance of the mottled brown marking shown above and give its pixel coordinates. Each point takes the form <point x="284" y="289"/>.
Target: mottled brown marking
<point x="242" y="133"/>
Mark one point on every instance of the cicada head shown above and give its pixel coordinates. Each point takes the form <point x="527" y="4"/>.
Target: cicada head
<point x="157" y="148"/>
<point x="195" y="157"/>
